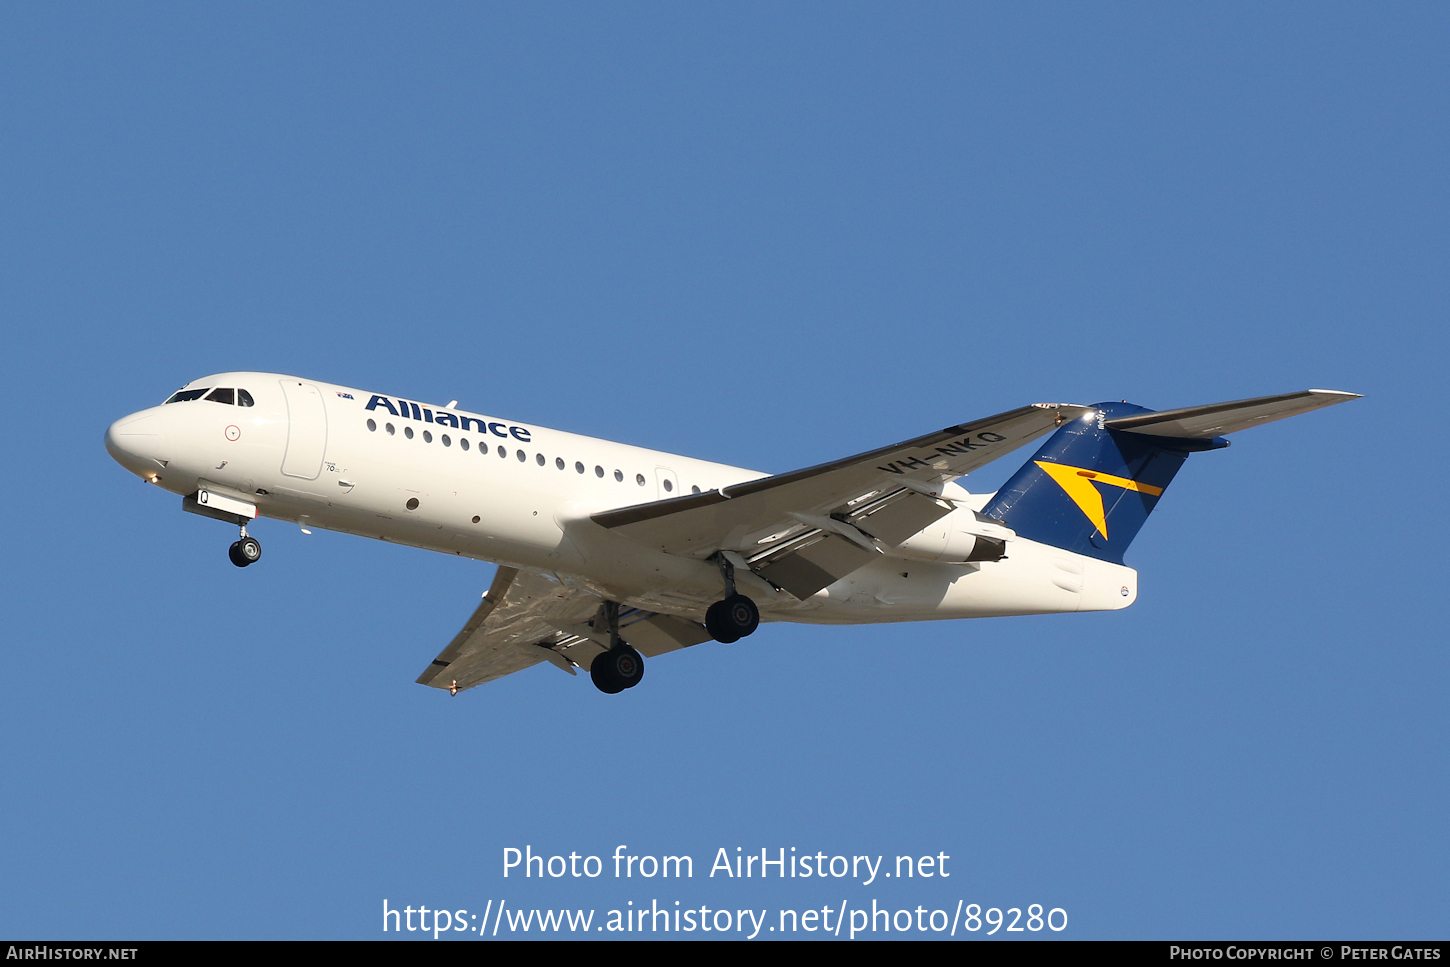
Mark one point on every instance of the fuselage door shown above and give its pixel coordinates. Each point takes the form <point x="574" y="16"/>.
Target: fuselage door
<point x="667" y="485"/>
<point x="306" y="430"/>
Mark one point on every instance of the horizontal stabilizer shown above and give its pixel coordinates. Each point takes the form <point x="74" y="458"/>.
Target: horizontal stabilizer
<point x="1216" y="419"/>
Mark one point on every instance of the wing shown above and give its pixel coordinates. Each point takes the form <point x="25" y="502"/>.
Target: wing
<point x="527" y="617"/>
<point x="806" y="529"/>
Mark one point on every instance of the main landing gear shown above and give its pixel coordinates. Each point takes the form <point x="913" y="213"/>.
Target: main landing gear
<point x="732" y="619"/>
<point x="621" y="666"/>
<point x="245" y="551"/>
<point x="736" y="616"/>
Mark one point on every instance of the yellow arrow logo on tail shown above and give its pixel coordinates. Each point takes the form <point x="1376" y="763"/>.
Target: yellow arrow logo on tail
<point x="1078" y="484"/>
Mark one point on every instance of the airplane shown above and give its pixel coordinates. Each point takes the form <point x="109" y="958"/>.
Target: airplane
<point x="609" y="553"/>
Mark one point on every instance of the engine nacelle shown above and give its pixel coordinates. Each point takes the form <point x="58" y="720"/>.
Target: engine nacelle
<point x="960" y="537"/>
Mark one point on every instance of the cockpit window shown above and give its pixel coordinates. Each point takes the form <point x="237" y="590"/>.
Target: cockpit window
<point x="187" y="394"/>
<point x="244" y="398"/>
<point x="226" y="396"/>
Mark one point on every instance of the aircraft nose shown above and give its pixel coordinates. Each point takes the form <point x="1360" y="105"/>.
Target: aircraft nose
<point x="137" y="443"/>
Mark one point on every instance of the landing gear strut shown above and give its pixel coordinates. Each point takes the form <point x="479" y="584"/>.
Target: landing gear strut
<point x="245" y="551"/>
<point x="621" y="666"/>
<point x="736" y="616"/>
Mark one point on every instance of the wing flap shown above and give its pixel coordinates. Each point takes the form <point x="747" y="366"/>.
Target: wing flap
<point x="660" y="633"/>
<point x="899" y="516"/>
<point x="818" y="561"/>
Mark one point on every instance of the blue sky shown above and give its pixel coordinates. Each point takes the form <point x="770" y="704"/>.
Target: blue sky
<point x="768" y="235"/>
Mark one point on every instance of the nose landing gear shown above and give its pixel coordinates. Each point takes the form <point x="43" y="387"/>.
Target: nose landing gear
<point x="245" y="551"/>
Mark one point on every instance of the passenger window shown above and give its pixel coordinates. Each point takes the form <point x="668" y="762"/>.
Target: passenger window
<point x="540" y="458"/>
<point x="502" y="453"/>
<point x="694" y="489"/>
<point x="244" y="398"/>
<point x="446" y="442"/>
<point x="227" y="396"/>
<point x="372" y="426"/>
<point x="669" y="485"/>
<point x="523" y="456"/>
<point x="559" y="462"/>
<point x="463" y="442"/>
<point x="408" y="432"/>
<point x="186" y="395"/>
<point x="427" y="436"/>
<point x="578" y="467"/>
<point x="598" y="470"/>
<point x="639" y="479"/>
<point x="389" y="428"/>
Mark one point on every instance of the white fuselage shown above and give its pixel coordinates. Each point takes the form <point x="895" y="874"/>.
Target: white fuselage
<point x="517" y="494"/>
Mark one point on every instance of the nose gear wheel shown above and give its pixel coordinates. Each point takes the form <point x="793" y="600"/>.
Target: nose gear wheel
<point x="245" y="551"/>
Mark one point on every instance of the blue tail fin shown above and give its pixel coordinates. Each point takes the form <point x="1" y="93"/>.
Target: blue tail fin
<point x="1089" y="489"/>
